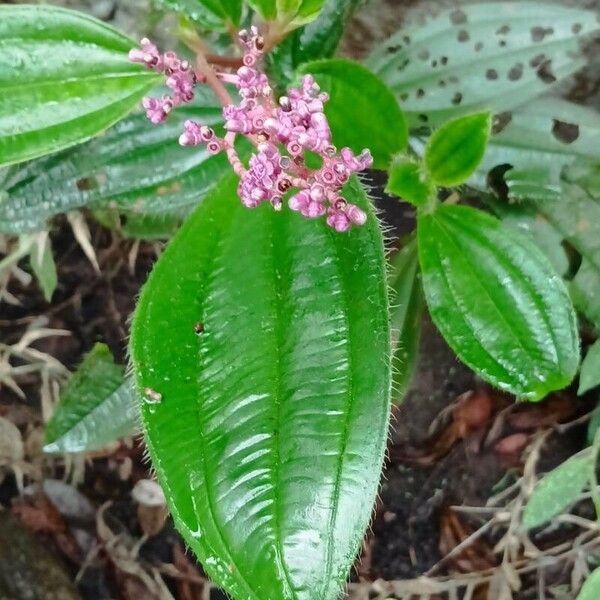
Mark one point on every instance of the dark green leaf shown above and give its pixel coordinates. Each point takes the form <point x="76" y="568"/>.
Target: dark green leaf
<point x="97" y="406"/>
<point x="407" y="180"/>
<point x="456" y="148"/>
<point x="497" y="301"/>
<point x="483" y="56"/>
<point x="557" y="490"/>
<point x="136" y="167"/>
<point x="259" y="436"/>
<point x="406" y="307"/>
<point x="362" y="112"/>
<point x="591" y="587"/>
<point x="589" y="377"/>
<point x="64" y="77"/>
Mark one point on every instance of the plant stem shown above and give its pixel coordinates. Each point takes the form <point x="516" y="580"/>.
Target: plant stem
<point x="212" y="80"/>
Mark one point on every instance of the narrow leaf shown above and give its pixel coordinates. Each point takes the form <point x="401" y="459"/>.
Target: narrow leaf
<point x="406" y="309"/>
<point x="136" y="167"/>
<point x="497" y="301"/>
<point x="557" y="491"/>
<point x="361" y="111"/>
<point x="256" y="425"/>
<point x="97" y="406"/>
<point x="43" y="266"/>
<point x="407" y="180"/>
<point x="589" y="377"/>
<point x="455" y="149"/>
<point x="482" y="56"/>
<point x="64" y="77"/>
<point x="591" y="587"/>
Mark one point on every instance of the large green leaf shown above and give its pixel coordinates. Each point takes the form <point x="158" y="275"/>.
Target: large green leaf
<point x="406" y="310"/>
<point x="361" y="111"/>
<point x="269" y="436"/>
<point x="497" y="301"/>
<point x="492" y="55"/>
<point x="64" y="77"/>
<point x="557" y="490"/>
<point x="136" y="167"/>
<point x="97" y="406"/>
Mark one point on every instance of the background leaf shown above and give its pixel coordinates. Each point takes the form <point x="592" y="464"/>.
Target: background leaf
<point x="557" y="490"/>
<point x="64" y="77"/>
<point x="406" y="310"/>
<point x="361" y="111"/>
<point x="589" y="377"/>
<point x="497" y="301"/>
<point x="136" y="167"/>
<point x="456" y="148"/>
<point x="43" y="266"/>
<point x="591" y="586"/>
<point x="259" y="439"/>
<point x="97" y="406"/>
<point x="493" y="56"/>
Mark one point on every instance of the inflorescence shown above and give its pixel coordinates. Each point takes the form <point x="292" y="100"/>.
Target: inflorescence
<point x="296" y="122"/>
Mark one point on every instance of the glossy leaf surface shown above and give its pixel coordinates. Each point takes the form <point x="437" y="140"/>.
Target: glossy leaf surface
<point x="136" y="167"/>
<point x="406" y="310"/>
<point x="361" y="111"/>
<point x="97" y="406"/>
<point x="591" y="587"/>
<point x="492" y="56"/>
<point x="260" y="437"/>
<point x="557" y="491"/>
<point x="455" y="150"/>
<point x="497" y="301"/>
<point x="589" y="377"/>
<point x="64" y="77"/>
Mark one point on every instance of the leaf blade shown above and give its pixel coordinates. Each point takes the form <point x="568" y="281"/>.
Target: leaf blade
<point x="286" y="353"/>
<point x="64" y="77"/>
<point x="497" y="301"/>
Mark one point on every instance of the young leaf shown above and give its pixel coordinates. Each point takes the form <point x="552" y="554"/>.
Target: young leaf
<point x="589" y="377"/>
<point x="408" y="181"/>
<point x="591" y="587"/>
<point x="481" y="56"/>
<point x="361" y="111"/>
<point x="406" y="309"/>
<point x="455" y="149"/>
<point x="136" y="167"/>
<point x="497" y="301"/>
<point x="64" y="77"/>
<point x="97" y="406"/>
<point x="557" y="490"/>
<point x="291" y="13"/>
<point x="259" y="436"/>
<point x="43" y="266"/>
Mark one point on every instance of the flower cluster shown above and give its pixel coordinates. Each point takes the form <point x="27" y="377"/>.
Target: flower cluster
<point x="282" y="132"/>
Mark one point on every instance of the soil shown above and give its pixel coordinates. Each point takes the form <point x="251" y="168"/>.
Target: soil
<point x="427" y="471"/>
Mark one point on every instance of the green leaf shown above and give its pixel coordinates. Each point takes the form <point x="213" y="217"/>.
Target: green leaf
<point x="259" y="438"/>
<point x="97" y="406"/>
<point x="361" y="111"/>
<point x="585" y="291"/>
<point x="64" y="77"/>
<point x="44" y="267"/>
<point x="318" y="39"/>
<point x="407" y="180"/>
<point x="291" y="13"/>
<point x="497" y="301"/>
<point x="557" y="491"/>
<point x="593" y="425"/>
<point x="539" y="140"/>
<point x="456" y="148"/>
<point x="406" y="309"/>
<point x="136" y="167"/>
<point x="487" y="55"/>
<point x="591" y="587"/>
<point x="589" y="377"/>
